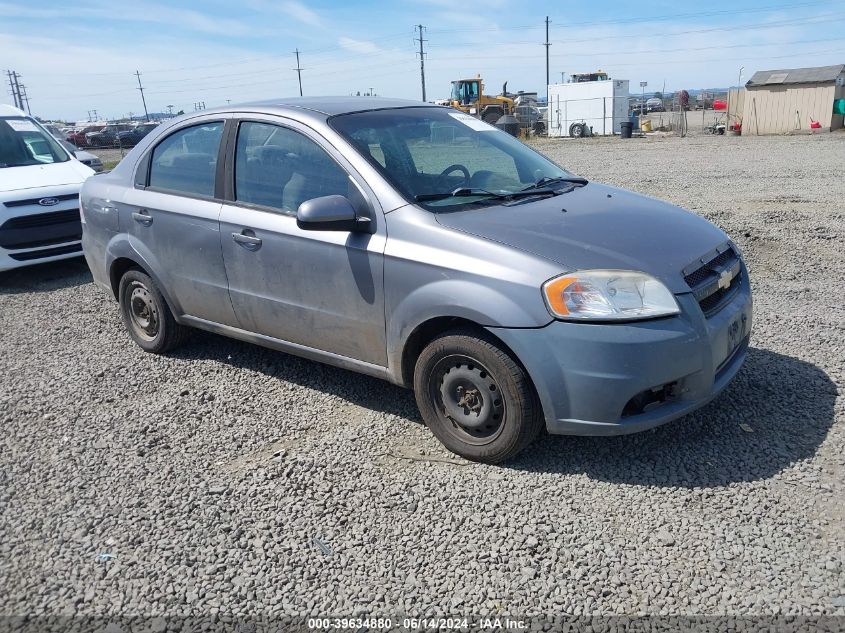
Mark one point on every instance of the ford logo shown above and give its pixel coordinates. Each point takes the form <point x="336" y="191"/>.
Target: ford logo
<point x="48" y="202"/>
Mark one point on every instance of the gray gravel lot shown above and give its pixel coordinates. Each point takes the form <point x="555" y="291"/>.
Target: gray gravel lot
<point x="229" y="478"/>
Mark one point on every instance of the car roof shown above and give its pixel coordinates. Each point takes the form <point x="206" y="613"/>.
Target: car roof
<point x="7" y="110"/>
<point x="327" y="106"/>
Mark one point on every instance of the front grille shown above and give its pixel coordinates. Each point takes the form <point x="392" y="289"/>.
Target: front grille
<point x="47" y="252"/>
<point x="41" y="219"/>
<point x="26" y="203"/>
<point x="714" y="279"/>
<point x="42" y="229"/>
<point x="701" y="274"/>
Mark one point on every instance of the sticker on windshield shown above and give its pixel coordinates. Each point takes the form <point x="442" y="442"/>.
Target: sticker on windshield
<point x="21" y="125"/>
<point x="470" y="121"/>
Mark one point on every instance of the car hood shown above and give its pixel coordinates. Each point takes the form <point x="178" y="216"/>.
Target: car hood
<point x="597" y="226"/>
<point x="70" y="172"/>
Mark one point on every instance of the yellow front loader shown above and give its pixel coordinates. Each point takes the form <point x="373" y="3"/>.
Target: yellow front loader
<point x="468" y="96"/>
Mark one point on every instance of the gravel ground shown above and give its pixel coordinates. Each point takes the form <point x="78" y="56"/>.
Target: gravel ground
<point x="229" y="478"/>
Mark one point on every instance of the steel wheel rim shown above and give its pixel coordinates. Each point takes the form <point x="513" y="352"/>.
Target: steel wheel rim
<point x="143" y="311"/>
<point x="467" y="399"/>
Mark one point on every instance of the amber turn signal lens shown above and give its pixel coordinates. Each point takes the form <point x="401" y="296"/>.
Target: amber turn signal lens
<point x="554" y="293"/>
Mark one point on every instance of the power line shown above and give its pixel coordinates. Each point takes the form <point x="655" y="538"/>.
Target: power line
<point x="644" y="18"/>
<point x="655" y="50"/>
<point x="420" y="27"/>
<point x="298" y="70"/>
<point x="143" y="100"/>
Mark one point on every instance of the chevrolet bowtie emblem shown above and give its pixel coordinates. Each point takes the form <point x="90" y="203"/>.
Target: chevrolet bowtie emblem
<point x="725" y="278"/>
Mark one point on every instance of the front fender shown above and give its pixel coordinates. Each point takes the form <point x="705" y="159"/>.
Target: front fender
<point x="457" y="298"/>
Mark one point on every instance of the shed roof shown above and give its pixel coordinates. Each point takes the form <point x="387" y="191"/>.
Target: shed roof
<point x="816" y="75"/>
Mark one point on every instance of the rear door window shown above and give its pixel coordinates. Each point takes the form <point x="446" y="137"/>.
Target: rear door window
<point x="186" y="161"/>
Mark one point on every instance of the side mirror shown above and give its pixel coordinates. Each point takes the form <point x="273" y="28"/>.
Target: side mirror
<point x="329" y="213"/>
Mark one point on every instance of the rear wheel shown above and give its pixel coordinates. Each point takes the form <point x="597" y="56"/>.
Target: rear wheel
<point x="146" y="314"/>
<point x="475" y="398"/>
<point x="577" y="130"/>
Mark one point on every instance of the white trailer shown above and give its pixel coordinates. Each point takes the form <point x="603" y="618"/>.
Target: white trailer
<point x="598" y="105"/>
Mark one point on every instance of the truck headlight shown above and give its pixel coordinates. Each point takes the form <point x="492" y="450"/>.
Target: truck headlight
<point x="608" y="295"/>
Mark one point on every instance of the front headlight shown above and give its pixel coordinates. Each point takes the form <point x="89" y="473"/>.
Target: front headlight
<point x="608" y="295"/>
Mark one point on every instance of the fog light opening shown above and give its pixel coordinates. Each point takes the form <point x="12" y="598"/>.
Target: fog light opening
<point x="651" y="399"/>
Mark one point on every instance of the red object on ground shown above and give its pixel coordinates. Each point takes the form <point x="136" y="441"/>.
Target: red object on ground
<point x="718" y="104"/>
<point x="815" y="125"/>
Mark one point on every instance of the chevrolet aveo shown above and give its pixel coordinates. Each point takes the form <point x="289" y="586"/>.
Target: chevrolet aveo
<point x="420" y="245"/>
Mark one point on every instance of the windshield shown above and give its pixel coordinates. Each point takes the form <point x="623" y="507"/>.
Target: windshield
<point x="428" y="151"/>
<point x="22" y="143"/>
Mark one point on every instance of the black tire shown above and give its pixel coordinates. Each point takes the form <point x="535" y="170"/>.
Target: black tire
<point x="474" y="396"/>
<point x="491" y="116"/>
<point x="576" y="130"/>
<point x="146" y="315"/>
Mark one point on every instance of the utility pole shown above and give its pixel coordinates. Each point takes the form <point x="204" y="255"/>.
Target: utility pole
<point x="170" y="110"/>
<point x="25" y="99"/>
<point x="143" y="100"/>
<point x="420" y="28"/>
<point x="11" y="75"/>
<point x="561" y="76"/>
<point x="298" y="70"/>
<point x="547" y="44"/>
<point x="18" y="99"/>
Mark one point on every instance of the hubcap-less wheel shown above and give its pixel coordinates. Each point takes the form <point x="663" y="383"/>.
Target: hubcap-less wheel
<point x="143" y="310"/>
<point x="467" y="397"/>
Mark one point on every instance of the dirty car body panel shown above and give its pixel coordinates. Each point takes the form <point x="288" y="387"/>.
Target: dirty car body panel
<point x="357" y="299"/>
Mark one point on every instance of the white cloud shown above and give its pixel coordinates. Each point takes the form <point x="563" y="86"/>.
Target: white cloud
<point x="300" y="12"/>
<point x="358" y="46"/>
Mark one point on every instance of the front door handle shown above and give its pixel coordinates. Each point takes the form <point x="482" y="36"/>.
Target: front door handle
<point x="142" y="217"/>
<point x="247" y="239"/>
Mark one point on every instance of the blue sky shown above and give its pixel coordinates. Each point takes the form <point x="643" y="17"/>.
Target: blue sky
<point x="77" y="59"/>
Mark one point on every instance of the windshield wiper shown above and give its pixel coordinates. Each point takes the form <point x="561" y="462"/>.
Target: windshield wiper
<point x="467" y="192"/>
<point x="549" y="180"/>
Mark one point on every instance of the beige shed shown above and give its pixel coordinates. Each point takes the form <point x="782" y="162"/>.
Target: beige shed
<point x="786" y="101"/>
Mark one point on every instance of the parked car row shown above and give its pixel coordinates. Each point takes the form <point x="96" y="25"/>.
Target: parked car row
<point x="637" y="107"/>
<point x="111" y="135"/>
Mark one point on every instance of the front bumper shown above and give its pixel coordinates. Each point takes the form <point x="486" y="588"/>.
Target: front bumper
<point x="31" y="234"/>
<point x="613" y="379"/>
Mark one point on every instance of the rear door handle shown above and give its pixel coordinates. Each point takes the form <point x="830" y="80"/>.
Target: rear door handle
<point x="142" y="217"/>
<point x="247" y="239"/>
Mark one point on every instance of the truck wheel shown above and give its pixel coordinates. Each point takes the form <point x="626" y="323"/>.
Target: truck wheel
<point x="491" y="116"/>
<point x="475" y="397"/>
<point x="576" y="130"/>
<point x="146" y="314"/>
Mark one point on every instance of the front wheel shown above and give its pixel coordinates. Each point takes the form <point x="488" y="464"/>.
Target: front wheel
<point x="474" y="396"/>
